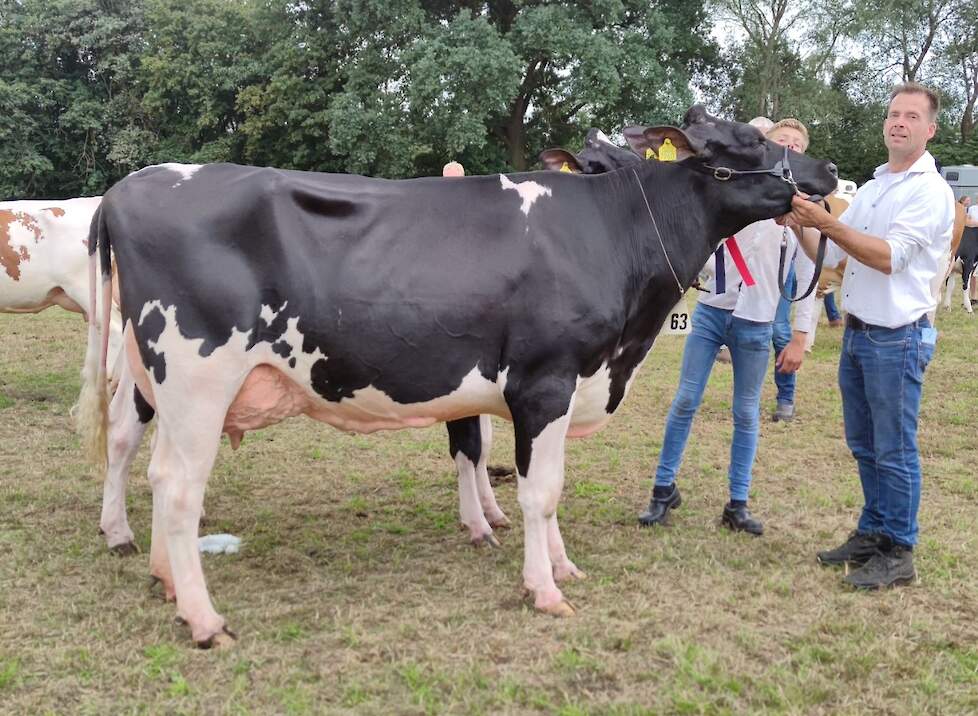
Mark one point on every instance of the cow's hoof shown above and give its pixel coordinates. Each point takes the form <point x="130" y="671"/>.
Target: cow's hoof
<point x="487" y="539"/>
<point x="556" y="605"/>
<point x="568" y="571"/>
<point x="561" y="609"/>
<point x="126" y="549"/>
<point x="499" y="522"/>
<point x="221" y="640"/>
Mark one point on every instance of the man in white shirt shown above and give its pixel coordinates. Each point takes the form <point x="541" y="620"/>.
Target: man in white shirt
<point x="895" y="234"/>
<point x="741" y="319"/>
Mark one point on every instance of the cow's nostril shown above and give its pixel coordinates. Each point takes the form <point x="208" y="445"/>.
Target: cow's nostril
<point x="833" y="169"/>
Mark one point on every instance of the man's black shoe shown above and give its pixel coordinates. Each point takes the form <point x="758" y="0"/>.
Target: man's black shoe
<point x="857" y="549"/>
<point x="657" y="512"/>
<point x="739" y="519"/>
<point x="886" y="568"/>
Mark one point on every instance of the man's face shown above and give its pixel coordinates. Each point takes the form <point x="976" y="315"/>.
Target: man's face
<point x="790" y="138"/>
<point x="908" y="126"/>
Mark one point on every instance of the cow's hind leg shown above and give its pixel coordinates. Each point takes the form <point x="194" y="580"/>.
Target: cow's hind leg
<point x="495" y="516"/>
<point x="563" y="568"/>
<point x="540" y="423"/>
<point x="129" y="416"/>
<point x="183" y="455"/>
<point x="465" y="446"/>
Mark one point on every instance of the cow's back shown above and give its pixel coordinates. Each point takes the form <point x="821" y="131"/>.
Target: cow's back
<point x="406" y="286"/>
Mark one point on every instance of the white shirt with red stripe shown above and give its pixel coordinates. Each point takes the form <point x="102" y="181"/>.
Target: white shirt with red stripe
<point x="760" y="244"/>
<point x="913" y="211"/>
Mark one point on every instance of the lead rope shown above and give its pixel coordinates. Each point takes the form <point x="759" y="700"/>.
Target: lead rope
<point x="656" y="227"/>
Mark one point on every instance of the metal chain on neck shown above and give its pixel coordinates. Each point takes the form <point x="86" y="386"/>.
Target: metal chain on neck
<point x="665" y="253"/>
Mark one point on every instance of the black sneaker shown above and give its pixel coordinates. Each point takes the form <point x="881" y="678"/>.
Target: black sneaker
<point x="657" y="513"/>
<point x="857" y="549"/>
<point x="886" y="568"/>
<point x="739" y="519"/>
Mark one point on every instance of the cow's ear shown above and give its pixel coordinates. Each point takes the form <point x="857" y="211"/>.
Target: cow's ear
<point x="647" y="141"/>
<point x="560" y="160"/>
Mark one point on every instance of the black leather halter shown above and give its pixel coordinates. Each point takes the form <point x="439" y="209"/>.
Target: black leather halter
<point x="781" y="170"/>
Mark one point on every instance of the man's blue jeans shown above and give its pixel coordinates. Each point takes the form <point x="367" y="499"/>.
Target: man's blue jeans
<point x="881" y="374"/>
<point x="781" y="336"/>
<point x="749" y="343"/>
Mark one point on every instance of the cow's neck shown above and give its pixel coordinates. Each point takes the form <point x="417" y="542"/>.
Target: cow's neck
<point x="671" y="245"/>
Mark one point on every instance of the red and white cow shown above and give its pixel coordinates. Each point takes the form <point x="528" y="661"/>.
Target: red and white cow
<point x="43" y="263"/>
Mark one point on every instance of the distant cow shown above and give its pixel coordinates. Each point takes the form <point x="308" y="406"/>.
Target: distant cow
<point x="251" y="294"/>
<point x="43" y="256"/>
<point x="966" y="260"/>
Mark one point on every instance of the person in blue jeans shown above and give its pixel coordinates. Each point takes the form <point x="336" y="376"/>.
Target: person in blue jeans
<point x="781" y="336"/>
<point x="831" y="312"/>
<point x="895" y="234"/>
<point x="740" y="318"/>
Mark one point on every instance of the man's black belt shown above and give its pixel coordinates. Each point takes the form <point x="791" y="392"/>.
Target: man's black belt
<point x="859" y="325"/>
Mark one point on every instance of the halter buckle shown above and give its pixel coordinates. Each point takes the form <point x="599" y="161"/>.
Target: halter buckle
<point x="722" y="173"/>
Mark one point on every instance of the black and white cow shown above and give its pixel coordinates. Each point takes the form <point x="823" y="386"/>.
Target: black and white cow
<point x="965" y="258"/>
<point x="598" y="156"/>
<point x="250" y="295"/>
<point x="469" y="438"/>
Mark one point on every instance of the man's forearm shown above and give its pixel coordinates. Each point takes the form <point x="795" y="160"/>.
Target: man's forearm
<point x="867" y="249"/>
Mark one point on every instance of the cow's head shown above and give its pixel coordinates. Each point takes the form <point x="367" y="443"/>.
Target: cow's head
<point x="599" y="155"/>
<point x="746" y="170"/>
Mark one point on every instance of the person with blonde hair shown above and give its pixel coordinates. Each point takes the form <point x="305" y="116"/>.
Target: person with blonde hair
<point x="741" y="318"/>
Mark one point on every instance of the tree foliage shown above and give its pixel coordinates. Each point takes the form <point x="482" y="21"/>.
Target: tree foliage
<point x="93" y="89"/>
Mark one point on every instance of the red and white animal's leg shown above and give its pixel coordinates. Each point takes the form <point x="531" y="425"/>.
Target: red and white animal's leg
<point x="487" y="498"/>
<point x="125" y="434"/>
<point x="183" y="456"/>
<point x="538" y="493"/>
<point x="966" y="300"/>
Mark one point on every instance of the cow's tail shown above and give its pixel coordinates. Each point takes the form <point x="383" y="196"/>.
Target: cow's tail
<point x="91" y="411"/>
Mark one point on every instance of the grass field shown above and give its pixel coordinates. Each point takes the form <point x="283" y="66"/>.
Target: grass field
<point x="355" y="591"/>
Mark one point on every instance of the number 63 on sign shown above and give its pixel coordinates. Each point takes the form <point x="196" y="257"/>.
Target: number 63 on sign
<point x="677" y="320"/>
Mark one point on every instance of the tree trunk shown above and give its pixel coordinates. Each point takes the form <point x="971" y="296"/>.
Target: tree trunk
<point x="515" y="137"/>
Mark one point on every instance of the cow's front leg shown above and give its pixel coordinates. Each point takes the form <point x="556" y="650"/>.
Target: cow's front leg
<point x="464" y="444"/>
<point x="540" y="424"/>
<point x="966" y="299"/>
<point x="128" y="417"/>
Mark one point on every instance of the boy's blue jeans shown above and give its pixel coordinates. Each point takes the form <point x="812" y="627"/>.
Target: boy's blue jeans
<point x="781" y="336"/>
<point x="749" y="343"/>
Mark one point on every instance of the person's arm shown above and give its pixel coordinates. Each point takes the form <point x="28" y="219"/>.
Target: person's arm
<point x="869" y="250"/>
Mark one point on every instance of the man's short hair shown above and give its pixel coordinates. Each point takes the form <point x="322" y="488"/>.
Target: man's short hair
<point x="917" y="88"/>
<point x="791" y="123"/>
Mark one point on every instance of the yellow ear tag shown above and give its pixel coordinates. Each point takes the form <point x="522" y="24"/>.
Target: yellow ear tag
<point x="565" y="167"/>
<point x="649" y="154"/>
<point x="667" y="152"/>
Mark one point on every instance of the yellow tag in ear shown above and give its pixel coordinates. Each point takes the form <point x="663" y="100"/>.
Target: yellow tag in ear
<point x="649" y="154"/>
<point x="565" y="167"/>
<point x="667" y="152"/>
